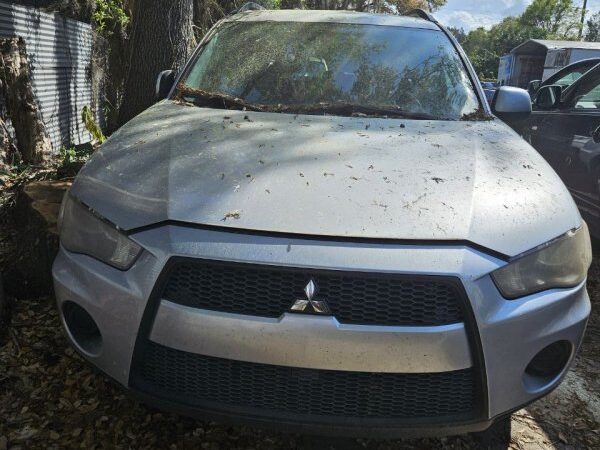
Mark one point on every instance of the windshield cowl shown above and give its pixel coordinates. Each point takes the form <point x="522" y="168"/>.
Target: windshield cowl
<point x="199" y="97"/>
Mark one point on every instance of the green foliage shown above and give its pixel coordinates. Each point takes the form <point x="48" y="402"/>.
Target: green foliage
<point x="72" y="158"/>
<point x="109" y="16"/>
<point x="593" y="28"/>
<point x="543" y="19"/>
<point x="459" y="34"/>
<point x="556" y="18"/>
<point x="69" y="156"/>
<point x="434" y="5"/>
<point x="94" y="129"/>
<point x="269" y="4"/>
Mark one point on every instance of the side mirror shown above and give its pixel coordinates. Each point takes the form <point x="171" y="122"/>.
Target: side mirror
<point x="548" y="97"/>
<point x="533" y="87"/>
<point x="164" y="83"/>
<point x="511" y="103"/>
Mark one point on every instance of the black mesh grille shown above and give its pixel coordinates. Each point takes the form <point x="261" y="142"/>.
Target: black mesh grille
<point x="196" y="380"/>
<point x="356" y="298"/>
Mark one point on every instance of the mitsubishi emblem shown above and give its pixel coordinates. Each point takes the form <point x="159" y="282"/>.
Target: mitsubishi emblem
<point x="316" y="306"/>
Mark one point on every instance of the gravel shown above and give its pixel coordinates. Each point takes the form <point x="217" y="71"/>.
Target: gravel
<point x="51" y="399"/>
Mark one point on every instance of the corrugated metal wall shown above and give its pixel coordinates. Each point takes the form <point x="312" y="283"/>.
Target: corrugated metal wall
<point x="60" y="54"/>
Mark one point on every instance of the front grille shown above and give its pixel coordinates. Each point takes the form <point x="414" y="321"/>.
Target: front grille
<point x="353" y="297"/>
<point x="197" y="380"/>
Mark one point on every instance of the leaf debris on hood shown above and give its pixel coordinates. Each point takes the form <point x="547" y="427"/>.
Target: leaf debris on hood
<point x="232" y="215"/>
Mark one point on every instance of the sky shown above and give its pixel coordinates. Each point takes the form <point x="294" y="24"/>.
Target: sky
<point x="470" y="14"/>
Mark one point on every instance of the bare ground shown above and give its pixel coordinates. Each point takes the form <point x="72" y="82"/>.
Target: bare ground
<point x="51" y="399"/>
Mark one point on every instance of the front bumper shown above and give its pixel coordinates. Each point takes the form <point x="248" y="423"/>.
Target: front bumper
<point x="496" y="342"/>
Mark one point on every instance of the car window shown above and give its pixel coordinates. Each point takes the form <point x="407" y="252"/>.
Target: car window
<point x="570" y="78"/>
<point x="292" y="64"/>
<point x="589" y="99"/>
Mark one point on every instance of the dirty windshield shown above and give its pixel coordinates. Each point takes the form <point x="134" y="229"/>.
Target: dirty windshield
<point x="332" y="68"/>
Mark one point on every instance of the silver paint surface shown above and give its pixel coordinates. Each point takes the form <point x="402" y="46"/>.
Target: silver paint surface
<point x="512" y="100"/>
<point x="316" y="342"/>
<point x="328" y="176"/>
<point x="511" y="331"/>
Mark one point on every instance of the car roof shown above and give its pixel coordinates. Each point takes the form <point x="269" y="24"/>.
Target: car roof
<point x="326" y="16"/>
<point x="581" y="62"/>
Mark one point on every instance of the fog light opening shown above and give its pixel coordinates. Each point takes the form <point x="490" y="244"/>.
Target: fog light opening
<point x="548" y="364"/>
<point x="82" y="327"/>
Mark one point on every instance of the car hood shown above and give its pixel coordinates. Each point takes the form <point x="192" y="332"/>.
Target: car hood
<point x="359" y="177"/>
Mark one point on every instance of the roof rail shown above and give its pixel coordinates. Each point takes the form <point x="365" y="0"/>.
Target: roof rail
<point x="421" y="14"/>
<point x="250" y="6"/>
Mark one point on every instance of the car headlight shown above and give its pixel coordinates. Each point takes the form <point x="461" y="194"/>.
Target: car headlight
<point x="560" y="263"/>
<point x="81" y="231"/>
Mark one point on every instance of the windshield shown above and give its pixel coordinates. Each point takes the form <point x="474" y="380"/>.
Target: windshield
<point x="302" y="67"/>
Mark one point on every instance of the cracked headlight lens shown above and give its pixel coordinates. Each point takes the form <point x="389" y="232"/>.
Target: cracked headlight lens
<point x="81" y="231"/>
<point x="560" y="263"/>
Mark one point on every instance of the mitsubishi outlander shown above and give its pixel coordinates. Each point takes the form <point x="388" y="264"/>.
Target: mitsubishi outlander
<point x="322" y="226"/>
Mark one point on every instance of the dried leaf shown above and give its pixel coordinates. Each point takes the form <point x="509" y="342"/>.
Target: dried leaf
<point x="232" y="215"/>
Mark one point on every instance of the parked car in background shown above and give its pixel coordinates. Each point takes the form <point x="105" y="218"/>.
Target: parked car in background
<point x="565" y="128"/>
<point x="324" y="228"/>
<point x="564" y="77"/>
<point x="489" y="89"/>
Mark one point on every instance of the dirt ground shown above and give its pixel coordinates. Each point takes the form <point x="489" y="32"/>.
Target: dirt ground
<point x="51" y="399"/>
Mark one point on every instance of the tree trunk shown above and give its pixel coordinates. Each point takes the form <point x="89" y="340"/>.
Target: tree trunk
<point x="161" y="39"/>
<point x="116" y="72"/>
<point x="33" y="141"/>
<point x="8" y="150"/>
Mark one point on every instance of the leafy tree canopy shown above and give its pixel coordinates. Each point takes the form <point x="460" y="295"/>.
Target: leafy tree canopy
<point x="593" y="28"/>
<point x="555" y="18"/>
<point x="459" y="34"/>
<point x="543" y="19"/>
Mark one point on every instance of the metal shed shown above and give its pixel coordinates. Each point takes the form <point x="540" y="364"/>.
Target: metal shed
<point x="60" y="55"/>
<point x="538" y="59"/>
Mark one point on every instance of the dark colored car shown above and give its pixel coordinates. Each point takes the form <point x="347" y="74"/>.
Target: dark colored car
<point x="565" y="128"/>
<point x="565" y="76"/>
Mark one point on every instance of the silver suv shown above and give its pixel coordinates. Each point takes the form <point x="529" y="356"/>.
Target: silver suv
<point x="324" y="227"/>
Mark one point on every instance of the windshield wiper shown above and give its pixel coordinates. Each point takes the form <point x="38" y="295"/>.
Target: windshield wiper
<point x="216" y="99"/>
<point x="221" y="100"/>
<point x="352" y="109"/>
